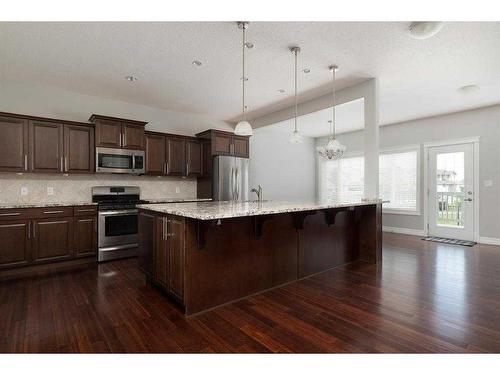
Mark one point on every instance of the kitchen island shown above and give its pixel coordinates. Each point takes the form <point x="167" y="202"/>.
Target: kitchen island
<point x="205" y="254"/>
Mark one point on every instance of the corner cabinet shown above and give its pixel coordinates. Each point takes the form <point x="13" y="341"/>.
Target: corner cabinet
<point x="161" y="252"/>
<point x="116" y="132"/>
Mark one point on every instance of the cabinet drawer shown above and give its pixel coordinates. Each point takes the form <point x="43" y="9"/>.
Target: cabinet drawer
<point x="48" y="212"/>
<point x="85" y="210"/>
<point x="15" y="213"/>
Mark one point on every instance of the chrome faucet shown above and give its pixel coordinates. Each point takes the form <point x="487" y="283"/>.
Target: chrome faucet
<point x="258" y="191"/>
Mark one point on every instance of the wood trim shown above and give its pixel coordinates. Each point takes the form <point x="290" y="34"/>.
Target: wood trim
<point x="47" y="119"/>
<point x="95" y="117"/>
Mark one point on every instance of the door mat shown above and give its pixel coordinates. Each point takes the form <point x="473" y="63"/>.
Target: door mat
<point x="450" y="241"/>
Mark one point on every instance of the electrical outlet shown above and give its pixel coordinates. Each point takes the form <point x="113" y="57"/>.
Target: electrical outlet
<point x="50" y="190"/>
<point x="24" y="190"/>
<point x="177" y="190"/>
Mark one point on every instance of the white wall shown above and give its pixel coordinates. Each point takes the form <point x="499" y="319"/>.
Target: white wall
<point x="58" y="103"/>
<point x="484" y="122"/>
<point x="285" y="171"/>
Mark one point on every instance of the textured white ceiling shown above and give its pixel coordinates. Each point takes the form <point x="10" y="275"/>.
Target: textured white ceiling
<point x="417" y="77"/>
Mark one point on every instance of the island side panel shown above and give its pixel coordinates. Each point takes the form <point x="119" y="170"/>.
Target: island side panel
<point x="370" y="233"/>
<point x="322" y="245"/>
<point x="236" y="260"/>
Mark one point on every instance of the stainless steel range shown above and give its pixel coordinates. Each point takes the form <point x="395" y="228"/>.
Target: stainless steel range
<point x="118" y="221"/>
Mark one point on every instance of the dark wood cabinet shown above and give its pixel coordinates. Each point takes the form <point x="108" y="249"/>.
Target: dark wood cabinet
<point x="156" y="162"/>
<point x="175" y="249"/>
<point x="85" y="235"/>
<point x="221" y="143"/>
<point x="118" y="133"/>
<point x="15" y="243"/>
<point x="240" y="146"/>
<point x="161" y="251"/>
<point x="13" y="144"/>
<point x="176" y="156"/>
<point x="78" y="149"/>
<point x="194" y="161"/>
<point x="52" y="239"/>
<point x="133" y="136"/>
<point x="226" y="143"/>
<point x="46" y="146"/>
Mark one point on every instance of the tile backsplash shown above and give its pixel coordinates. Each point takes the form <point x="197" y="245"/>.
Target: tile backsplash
<point x="77" y="188"/>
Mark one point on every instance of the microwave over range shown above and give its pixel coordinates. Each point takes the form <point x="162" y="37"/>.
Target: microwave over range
<point x="115" y="160"/>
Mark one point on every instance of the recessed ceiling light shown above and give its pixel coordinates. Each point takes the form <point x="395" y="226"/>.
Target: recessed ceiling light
<point x="281" y="91"/>
<point x="469" y="88"/>
<point x="424" y="30"/>
<point x="196" y="62"/>
<point x="306" y="70"/>
<point x="131" y="78"/>
<point x="249" y="45"/>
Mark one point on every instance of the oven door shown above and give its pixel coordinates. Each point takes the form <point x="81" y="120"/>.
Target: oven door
<point x="114" y="160"/>
<point x="118" y="227"/>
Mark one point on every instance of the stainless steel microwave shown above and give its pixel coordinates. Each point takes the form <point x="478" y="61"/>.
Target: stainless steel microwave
<point x="116" y="160"/>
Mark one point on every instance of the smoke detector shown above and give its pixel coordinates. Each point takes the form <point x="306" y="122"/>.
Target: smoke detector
<point x="424" y="30"/>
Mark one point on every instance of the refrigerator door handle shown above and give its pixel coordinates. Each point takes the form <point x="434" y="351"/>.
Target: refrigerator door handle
<point x="232" y="183"/>
<point x="237" y="184"/>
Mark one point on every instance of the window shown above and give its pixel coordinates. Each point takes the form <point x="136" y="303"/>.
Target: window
<point x="398" y="179"/>
<point x="342" y="179"/>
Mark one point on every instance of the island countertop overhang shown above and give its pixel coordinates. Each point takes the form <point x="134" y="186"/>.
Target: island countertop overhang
<point x="215" y="210"/>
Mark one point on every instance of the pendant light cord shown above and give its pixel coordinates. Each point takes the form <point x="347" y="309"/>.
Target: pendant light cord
<point x="296" y="52"/>
<point x="243" y="78"/>
<point x="333" y="104"/>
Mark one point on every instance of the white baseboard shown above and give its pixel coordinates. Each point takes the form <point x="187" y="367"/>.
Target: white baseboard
<point x="413" y="232"/>
<point x="489" y="240"/>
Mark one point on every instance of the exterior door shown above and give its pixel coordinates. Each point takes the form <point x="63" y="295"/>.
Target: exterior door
<point x="451" y="191"/>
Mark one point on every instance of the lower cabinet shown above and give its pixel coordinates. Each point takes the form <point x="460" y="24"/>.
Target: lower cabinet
<point x="52" y="239"/>
<point x="29" y="236"/>
<point x="85" y="236"/>
<point x="15" y="243"/>
<point x="164" y="247"/>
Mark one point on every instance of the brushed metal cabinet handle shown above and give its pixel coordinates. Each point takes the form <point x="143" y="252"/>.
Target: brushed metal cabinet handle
<point x="34" y="230"/>
<point x="66" y="163"/>
<point x="85" y="210"/>
<point x="187" y="169"/>
<point x="53" y="212"/>
<point x="62" y="168"/>
<point x="164" y="167"/>
<point x="29" y="230"/>
<point x="25" y="162"/>
<point x="11" y="214"/>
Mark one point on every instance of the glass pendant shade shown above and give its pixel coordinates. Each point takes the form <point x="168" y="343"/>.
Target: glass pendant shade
<point x="332" y="150"/>
<point x="243" y="128"/>
<point x="295" y="137"/>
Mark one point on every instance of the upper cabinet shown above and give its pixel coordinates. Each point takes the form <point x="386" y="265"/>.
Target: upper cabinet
<point x="173" y="155"/>
<point x="29" y="144"/>
<point x="226" y="143"/>
<point x="118" y="133"/>
<point x="13" y="144"/>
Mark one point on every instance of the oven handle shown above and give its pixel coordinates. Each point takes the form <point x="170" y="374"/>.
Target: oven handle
<point x="118" y="213"/>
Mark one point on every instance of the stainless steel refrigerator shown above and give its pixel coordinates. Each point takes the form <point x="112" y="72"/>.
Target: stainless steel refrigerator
<point x="230" y="178"/>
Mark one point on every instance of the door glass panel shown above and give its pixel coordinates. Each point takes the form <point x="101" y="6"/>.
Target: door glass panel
<point x="121" y="225"/>
<point x="450" y="173"/>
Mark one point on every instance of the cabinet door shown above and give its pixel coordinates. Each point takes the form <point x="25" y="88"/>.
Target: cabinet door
<point x="176" y="257"/>
<point x="221" y="144"/>
<point x="133" y="136"/>
<point x="52" y="239"/>
<point x="206" y="158"/>
<point x="85" y="235"/>
<point x="160" y="257"/>
<point x="15" y="243"/>
<point x="147" y="243"/>
<point x="240" y="146"/>
<point x="108" y="133"/>
<point x="13" y="144"/>
<point x="156" y="162"/>
<point x="79" y="149"/>
<point x="194" y="159"/>
<point x="46" y="146"/>
<point x="175" y="156"/>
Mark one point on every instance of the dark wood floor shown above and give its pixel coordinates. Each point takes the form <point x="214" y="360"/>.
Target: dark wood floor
<point x="424" y="297"/>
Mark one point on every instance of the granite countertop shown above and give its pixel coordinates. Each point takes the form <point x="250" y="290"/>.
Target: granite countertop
<point x="45" y="204"/>
<point x="176" y="200"/>
<point x="223" y="210"/>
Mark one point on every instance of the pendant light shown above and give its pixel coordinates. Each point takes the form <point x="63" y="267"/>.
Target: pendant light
<point x="296" y="137"/>
<point x="333" y="149"/>
<point x="243" y="127"/>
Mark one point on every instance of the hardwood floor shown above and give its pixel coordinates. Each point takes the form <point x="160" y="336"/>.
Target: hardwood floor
<point x="424" y="297"/>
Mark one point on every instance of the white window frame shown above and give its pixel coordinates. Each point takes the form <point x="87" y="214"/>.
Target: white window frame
<point x="393" y="211"/>
<point x="400" y="149"/>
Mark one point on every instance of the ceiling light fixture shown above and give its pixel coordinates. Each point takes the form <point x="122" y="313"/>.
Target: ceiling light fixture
<point x="333" y="149"/>
<point x="306" y="70"/>
<point x="281" y="91"/>
<point x="249" y="45"/>
<point x="196" y="63"/>
<point x="424" y="30"/>
<point x="296" y="137"/>
<point x="131" y="78"/>
<point x="243" y="127"/>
